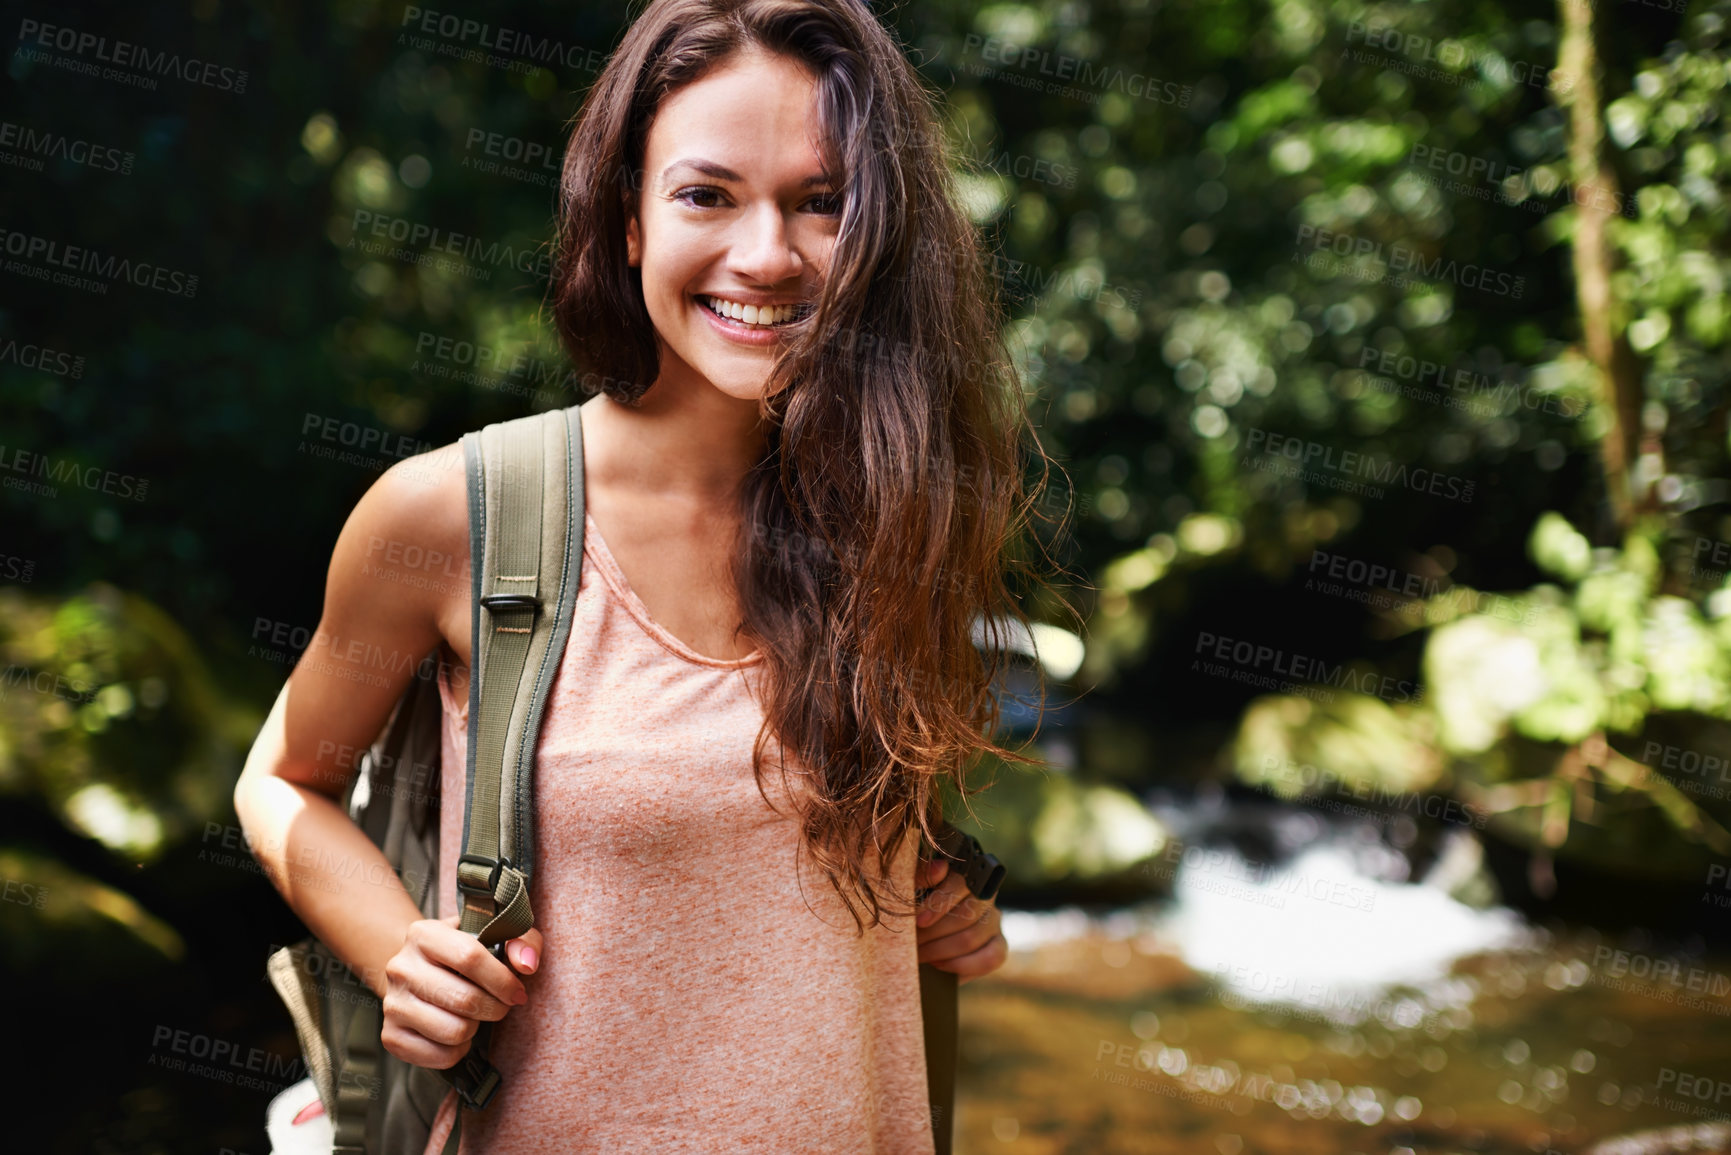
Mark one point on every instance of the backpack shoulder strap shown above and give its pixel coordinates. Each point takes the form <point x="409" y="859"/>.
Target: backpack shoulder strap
<point x="938" y="996"/>
<point x="526" y="545"/>
<point x="525" y="490"/>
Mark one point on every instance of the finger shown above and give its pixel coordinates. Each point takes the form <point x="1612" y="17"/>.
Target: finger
<point x="966" y="952"/>
<point x="933" y="871"/>
<point x="464" y="954"/>
<point x="525" y="952"/>
<point x="454" y="993"/>
<point x="989" y="958"/>
<point x="433" y="1023"/>
<point x="939" y="902"/>
<point x="975" y="919"/>
<point x="413" y="1047"/>
<point x="956" y="943"/>
<point x="967" y="912"/>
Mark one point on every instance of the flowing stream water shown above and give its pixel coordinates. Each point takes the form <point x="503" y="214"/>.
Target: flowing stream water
<point x="1323" y="993"/>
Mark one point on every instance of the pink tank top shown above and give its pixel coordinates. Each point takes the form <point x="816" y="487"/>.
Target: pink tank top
<point x="687" y="999"/>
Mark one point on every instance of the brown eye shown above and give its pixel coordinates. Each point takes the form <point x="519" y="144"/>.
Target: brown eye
<point x="684" y="194"/>
<point x="828" y="205"/>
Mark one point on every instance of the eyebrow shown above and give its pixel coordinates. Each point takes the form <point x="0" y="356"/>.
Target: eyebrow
<point x="721" y="172"/>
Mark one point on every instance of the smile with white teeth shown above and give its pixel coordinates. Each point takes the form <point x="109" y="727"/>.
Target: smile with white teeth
<point x="758" y="316"/>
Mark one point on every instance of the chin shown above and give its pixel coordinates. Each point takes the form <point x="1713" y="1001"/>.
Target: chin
<point x="743" y="378"/>
<point x="741" y="387"/>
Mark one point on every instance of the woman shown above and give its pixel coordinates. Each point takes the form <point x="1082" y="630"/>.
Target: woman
<point x="804" y="480"/>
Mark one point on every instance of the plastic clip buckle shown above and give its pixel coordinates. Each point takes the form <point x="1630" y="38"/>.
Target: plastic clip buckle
<point x="494" y="603"/>
<point x="982" y="872"/>
<point x="475" y="1080"/>
<point x="493" y="866"/>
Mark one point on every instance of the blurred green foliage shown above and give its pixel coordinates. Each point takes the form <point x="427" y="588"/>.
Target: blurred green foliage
<point x="111" y="716"/>
<point x="1541" y="711"/>
<point x="1526" y="696"/>
<point x="1055" y="834"/>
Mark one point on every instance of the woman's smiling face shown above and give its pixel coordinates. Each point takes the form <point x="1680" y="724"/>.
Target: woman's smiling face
<point x="736" y="212"/>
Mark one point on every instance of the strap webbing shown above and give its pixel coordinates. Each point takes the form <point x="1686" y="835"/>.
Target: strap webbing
<point x="525" y="480"/>
<point x="495" y="894"/>
<point x="938" y="1014"/>
<point x="454" y="1141"/>
<point x="357" y="1083"/>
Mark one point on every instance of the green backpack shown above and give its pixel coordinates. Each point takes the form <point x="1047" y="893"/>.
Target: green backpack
<point x="525" y="491"/>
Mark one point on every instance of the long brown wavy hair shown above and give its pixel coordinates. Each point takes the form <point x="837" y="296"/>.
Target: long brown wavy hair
<point x="885" y="521"/>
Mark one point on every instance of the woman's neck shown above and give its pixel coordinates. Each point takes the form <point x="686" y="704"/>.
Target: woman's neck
<point x="685" y="439"/>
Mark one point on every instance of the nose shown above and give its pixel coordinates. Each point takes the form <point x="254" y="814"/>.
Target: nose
<point x="762" y="251"/>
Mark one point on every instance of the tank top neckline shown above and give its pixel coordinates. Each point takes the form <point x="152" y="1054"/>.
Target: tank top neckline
<point x="596" y="547"/>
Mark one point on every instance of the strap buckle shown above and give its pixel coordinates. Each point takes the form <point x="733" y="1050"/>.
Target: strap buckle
<point x="495" y="603"/>
<point x="475" y="1079"/>
<point x="492" y="866"/>
<point x="982" y="871"/>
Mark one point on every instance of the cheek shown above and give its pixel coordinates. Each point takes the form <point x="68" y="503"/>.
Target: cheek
<point x="819" y="233"/>
<point x="818" y="249"/>
<point x="670" y="267"/>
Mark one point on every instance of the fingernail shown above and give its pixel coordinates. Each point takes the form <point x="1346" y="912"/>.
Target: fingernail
<point x="529" y="957"/>
<point x="924" y="918"/>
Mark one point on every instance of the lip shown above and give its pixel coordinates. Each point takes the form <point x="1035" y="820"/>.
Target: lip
<point x="733" y="331"/>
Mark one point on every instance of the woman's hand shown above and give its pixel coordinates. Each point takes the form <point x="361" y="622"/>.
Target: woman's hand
<point x="957" y="932"/>
<point x="443" y="984"/>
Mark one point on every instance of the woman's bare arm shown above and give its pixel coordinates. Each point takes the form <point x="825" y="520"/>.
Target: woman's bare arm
<point x="374" y="630"/>
<point x="373" y="634"/>
<point x="436" y="984"/>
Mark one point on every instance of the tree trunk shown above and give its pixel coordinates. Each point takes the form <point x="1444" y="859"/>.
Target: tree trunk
<point x="1575" y="86"/>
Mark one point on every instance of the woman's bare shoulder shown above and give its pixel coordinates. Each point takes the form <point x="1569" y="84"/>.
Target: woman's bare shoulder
<point x="396" y="589"/>
<point x="403" y="555"/>
<point x="421" y="501"/>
